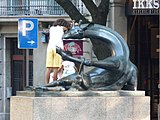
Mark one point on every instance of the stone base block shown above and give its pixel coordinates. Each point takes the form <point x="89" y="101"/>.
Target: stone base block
<point x="80" y="108"/>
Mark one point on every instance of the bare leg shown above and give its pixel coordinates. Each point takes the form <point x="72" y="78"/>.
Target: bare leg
<point x="48" y="71"/>
<point x="55" y="70"/>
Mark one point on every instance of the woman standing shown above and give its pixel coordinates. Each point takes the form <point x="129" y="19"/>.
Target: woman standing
<point x="53" y="59"/>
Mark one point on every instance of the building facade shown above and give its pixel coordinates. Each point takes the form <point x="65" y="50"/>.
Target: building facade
<point x="22" y="67"/>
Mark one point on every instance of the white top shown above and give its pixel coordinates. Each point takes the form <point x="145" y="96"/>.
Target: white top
<point x="55" y="39"/>
<point x="68" y="68"/>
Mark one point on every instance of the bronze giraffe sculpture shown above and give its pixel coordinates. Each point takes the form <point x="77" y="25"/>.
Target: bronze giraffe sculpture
<point x="115" y="72"/>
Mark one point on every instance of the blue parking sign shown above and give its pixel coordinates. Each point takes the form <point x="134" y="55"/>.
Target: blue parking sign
<point x="27" y="33"/>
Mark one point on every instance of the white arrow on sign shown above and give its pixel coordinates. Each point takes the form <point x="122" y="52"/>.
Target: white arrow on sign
<point x="31" y="42"/>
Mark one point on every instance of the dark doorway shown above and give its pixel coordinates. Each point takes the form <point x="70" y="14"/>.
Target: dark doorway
<point x="18" y="67"/>
<point x="143" y="40"/>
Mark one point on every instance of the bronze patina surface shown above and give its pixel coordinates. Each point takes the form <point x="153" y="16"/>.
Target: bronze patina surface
<point x="115" y="72"/>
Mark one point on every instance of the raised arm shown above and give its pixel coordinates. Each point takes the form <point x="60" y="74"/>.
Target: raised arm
<point x="108" y="63"/>
<point x="67" y="57"/>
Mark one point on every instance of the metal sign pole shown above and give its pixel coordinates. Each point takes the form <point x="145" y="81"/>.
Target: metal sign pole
<point x="27" y="67"/>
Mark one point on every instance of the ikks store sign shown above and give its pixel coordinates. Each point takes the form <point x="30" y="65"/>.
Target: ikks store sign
<point x="142" y="7"/>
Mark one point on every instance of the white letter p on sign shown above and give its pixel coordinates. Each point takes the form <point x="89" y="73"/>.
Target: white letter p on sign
<point x="27" y="26"/>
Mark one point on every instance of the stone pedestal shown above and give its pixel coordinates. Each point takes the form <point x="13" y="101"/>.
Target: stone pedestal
<point x="104" y="105"/>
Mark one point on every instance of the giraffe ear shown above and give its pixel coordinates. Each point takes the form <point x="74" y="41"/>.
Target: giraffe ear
<point x="80" y="22"/>
<point x="73" y="23"/>
<point x="85" y="26"/>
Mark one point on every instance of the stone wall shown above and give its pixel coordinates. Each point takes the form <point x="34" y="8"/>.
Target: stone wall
<point x="4" y="79"/>
<point x="98" y="107"/>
